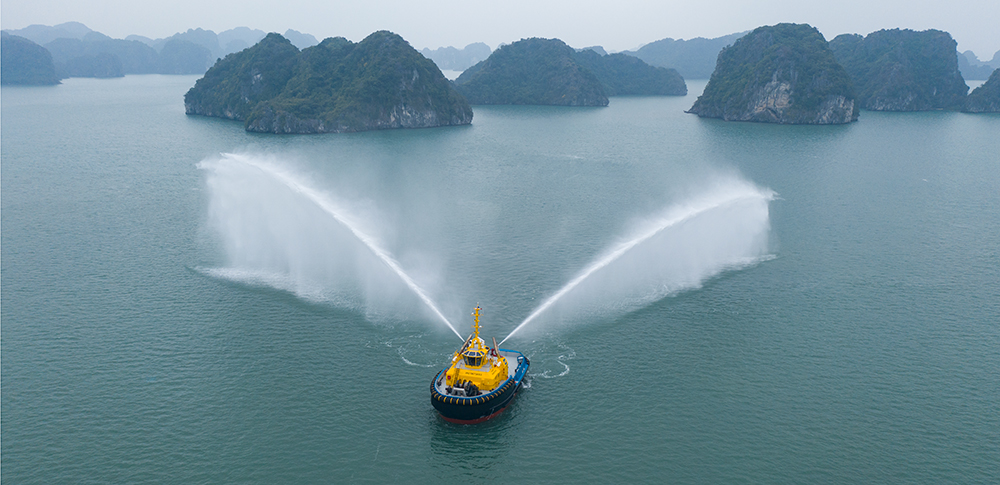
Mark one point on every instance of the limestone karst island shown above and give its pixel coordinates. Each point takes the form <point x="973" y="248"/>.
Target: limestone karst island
<point x="337" y="86"/>
<point x="784" y="73"/>
<point x="549" y="72"/>
<point x="291" y="83"/>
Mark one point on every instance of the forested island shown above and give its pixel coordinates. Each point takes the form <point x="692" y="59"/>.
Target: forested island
<point x="784" y="73"/>
<point x="985" y="98"/>
<point x="549" y="72"/>
<point x="903" y="70"/>
<point x="532" y="71"/>
<point x="25" y="62"/>
<point x="336" y="86"/>
<point x="622" y="74"/>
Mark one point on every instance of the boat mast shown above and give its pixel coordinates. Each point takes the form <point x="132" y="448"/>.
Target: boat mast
<point x="476" y="325"/>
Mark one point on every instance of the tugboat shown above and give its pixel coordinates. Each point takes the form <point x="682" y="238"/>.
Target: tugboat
<point x="480" y="382"/>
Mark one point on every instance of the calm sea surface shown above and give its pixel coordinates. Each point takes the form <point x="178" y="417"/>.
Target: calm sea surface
<point x="184" y="302"/>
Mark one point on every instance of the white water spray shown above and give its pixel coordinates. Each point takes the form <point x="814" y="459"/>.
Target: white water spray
<point x="736" y="236"/>
<point x="324" y="203"/>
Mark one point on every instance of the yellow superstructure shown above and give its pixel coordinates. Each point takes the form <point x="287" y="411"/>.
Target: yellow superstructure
<point x="477" y="364"/>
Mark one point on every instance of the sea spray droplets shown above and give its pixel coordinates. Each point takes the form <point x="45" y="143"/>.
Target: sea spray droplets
<point x="324" y="203"/>
<point x="726" y="227"/>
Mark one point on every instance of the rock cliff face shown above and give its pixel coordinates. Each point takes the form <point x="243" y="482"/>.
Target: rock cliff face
<point x="779" y="74"/>
<point x="985" y="98"/>
<point x="336" y="86"/>
<point x="903" y="70"/>
<point x="532" y="71"/>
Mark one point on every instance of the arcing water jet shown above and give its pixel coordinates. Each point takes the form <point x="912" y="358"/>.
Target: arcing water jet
<point x="323" y="202"/>
<point x="668" y="259"/>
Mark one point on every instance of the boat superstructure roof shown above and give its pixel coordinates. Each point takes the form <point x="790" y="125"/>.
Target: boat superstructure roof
<point x="513" y="362"/>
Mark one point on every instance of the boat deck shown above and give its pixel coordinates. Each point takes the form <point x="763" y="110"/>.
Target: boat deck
<point x="512" y="366"/>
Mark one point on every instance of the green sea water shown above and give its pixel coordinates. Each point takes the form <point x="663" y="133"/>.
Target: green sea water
<point x="185" y="302"/>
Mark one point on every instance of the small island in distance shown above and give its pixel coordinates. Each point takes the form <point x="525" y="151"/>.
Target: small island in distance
<point x="334" y="87"/>
<point x="548" y="72"/>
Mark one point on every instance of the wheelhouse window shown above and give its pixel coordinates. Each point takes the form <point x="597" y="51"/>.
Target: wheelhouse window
<point x="473" y="359"/>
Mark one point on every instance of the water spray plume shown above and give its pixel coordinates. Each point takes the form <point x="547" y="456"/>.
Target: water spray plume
<point x="322" y="202"/>
<point x="676" y="215"/>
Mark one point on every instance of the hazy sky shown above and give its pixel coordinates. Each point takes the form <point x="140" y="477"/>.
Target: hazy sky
<point x="617" y="25"/>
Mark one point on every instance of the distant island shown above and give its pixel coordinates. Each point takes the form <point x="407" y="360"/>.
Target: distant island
<point x="77" y="51"/>
<point x="972" y="68"/>
<point x="985" y="98"/>
<point x="336" y="86"/>
<point x="622" y="74"/>
<point x="784" y="73"/>
<point x="549" y="72"/>
<point x="454" y="59"/>
<point x="903" y="70"/>
<point x="532" y="71"/>
<point x="25" y="62"/>
<point x="693" y="58"/>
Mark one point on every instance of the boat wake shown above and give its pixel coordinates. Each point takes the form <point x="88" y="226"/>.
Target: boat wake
<point x="409" y="347"/>
<point x="550" y="357"/>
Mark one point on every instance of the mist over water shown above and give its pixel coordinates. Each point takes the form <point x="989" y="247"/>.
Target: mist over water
<point x="278" y="231"/>
<point x="724" y="227"/>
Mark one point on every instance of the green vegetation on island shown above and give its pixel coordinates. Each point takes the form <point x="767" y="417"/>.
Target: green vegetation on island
<point x="25" y="62"/>
<point x="236" y="84"/>
<point x="903" y="70"/>
<point x="622" y="74"/>
<point x="549" y="72"/>
<point x="784" y="73"/>
<point x="532" y="71"/>
<point x="336" y="86"/>
<point x="985" y="98"/>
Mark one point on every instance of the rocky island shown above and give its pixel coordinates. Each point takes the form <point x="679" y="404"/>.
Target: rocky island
<point x="985" y="98"/>
<point x="549" y="72"/>
<point x="334" y="87"/>
<point x="532" y="71"/>
<point x="25" y="62"/>
<point x="903" y="70"/>
<point x="621" y="74"/>
<point x="784" y="73"/>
